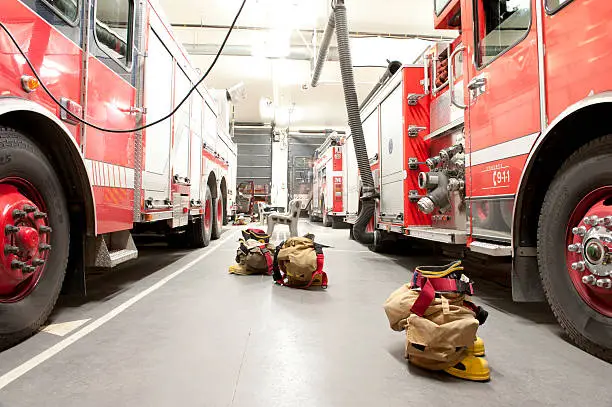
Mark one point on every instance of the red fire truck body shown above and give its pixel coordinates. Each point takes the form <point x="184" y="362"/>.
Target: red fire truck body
<point x="498" y="142"/>
<point x="328" y="187"/>
<point x="71" y="194"/>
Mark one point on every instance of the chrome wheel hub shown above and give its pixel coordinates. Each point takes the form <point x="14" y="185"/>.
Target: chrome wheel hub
<point x="593" y="248"/>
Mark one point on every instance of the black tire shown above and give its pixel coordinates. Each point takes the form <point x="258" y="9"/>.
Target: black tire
<point x="351" y="233"/>
<point x="199" y="233"/>
<point x="587" y="169"/>
<point x="378" y="246"/>
<point x="20" y="157"/>
<point x="217" y="224"/>
<point x="326" y="219"/>
<point x="225" y="217"/>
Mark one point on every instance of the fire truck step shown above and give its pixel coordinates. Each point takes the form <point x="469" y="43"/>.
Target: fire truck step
<point x="108" y="251"/>
<point x="121" y="256"/>
<point x="451" y="236"/>
<point x="491" y="249"/>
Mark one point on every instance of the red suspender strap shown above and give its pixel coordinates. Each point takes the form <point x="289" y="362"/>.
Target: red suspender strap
<point x="318" y="271"/>
<point x="269" y="260"/>
<point x="449" y="285"/>
<point x="425" y="298"/>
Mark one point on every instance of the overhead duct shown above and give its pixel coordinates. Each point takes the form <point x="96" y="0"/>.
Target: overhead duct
<point x="393" y="67"/>
<point x="338" y="20"/>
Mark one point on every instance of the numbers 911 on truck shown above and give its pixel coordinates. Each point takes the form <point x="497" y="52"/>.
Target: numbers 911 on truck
<point x="499" y="142"/>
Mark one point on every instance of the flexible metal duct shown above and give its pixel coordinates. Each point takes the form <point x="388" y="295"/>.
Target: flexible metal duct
<point x="393" y="67"/>
<point x="323" y="50"/>
<point x="338" y="20"/>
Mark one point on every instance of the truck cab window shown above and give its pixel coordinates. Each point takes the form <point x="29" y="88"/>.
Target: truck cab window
<point x="69" y="9"/>
<point x="501" y="25"/>
<point x="440" y="5"/>
<point x="554" y="5"/>
<point x="114" y="28"/>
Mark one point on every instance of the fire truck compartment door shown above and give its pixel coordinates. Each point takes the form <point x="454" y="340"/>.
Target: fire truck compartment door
<point x="182" y="132"/>
<point x="158" y="100"/>
<point x="502" y="94"/>
<point x="392" y="155"/>
<point x="351" y="178"/>
<point x="195" y="170"/>
<point x="370" y="133"/>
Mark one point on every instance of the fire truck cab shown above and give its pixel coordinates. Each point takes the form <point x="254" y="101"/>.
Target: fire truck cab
<point x="497" y="142"/>
<point x="73" y="194"/>
<point x="328" y="187"/>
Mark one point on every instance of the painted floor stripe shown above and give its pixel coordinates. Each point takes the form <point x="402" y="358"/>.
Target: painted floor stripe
<point x="19" y="371"/>
<point x="64" y="328"/>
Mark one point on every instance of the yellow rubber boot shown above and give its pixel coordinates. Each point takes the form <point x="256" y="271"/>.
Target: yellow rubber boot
<point x="471" y="368"/>
<point x="478" y="348"/>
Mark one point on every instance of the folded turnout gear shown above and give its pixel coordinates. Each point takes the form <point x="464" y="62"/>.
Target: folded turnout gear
<point x="440" y="322"/>
<point x="253" y="257"/>
<point x="298" y="263"/>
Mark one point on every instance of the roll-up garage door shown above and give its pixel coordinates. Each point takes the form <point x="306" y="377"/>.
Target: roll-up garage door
<point x="255" y="158"/>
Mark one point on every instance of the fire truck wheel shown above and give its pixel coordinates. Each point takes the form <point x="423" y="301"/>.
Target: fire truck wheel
<point x="327" y="220"/>
<point x="574" y="245"/>
<point x="201" y="228"/>
<point x="225" y="217"/>
<point x="36" y="233"/>
<point x="378" y="246"/>
<point x="217" y="225"/>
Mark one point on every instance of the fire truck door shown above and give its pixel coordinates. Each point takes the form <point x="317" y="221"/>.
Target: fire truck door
<point x="111" y="102"/>
<point x="503" y="108"/>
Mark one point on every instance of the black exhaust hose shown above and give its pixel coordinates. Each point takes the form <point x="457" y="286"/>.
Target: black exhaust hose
<point x="327" y="35"/>
<point x="393" y="67"/>
<point x="352" y="108"/>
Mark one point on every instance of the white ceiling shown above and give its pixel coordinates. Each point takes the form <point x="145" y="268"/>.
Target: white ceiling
<point x="282" y="80"/>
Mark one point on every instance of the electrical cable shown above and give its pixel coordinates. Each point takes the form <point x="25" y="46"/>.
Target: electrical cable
<point x="85" y="122"/>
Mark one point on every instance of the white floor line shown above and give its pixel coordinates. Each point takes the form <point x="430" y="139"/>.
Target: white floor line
<point x="19" y="371"/>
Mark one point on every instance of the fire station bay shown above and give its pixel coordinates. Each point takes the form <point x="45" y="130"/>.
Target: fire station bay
<point x="305" y="203"/>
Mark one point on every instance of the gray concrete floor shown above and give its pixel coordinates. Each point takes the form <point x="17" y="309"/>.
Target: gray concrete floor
<point x="207" y="338"/>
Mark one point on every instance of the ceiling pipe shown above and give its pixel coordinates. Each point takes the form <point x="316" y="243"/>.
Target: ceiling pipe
<point x="297" y="52"/>
<point x="353" y="34"/>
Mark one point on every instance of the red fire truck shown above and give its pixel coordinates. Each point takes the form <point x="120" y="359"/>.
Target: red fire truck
<point x="328" y="189"/>
<point x="498" y="142"/>
<point x="72" y="195"/>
